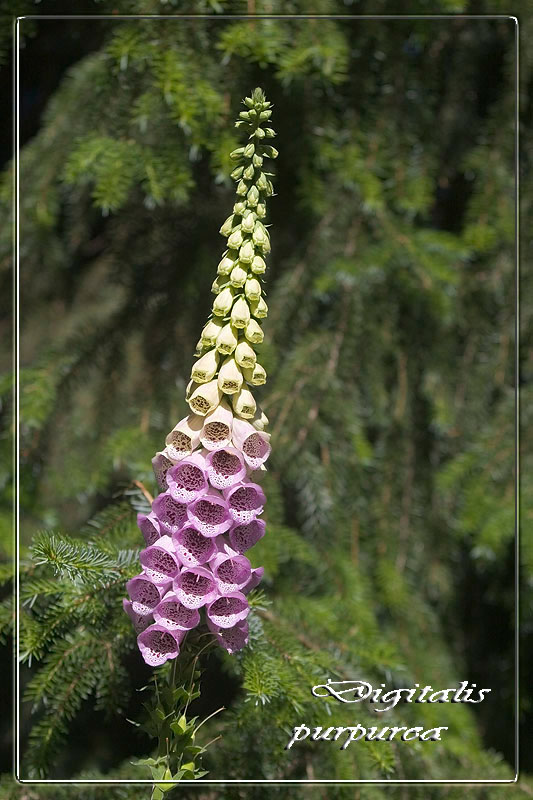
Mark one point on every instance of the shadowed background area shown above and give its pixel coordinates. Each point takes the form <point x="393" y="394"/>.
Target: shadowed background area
<point x="389" y="347"/>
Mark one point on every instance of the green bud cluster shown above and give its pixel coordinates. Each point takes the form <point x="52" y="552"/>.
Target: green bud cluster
<point x="227" y="358"/>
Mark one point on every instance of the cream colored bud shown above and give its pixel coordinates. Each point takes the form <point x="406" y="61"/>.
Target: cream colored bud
<point x="257" y="161"/>
<point x="248" y="222"/>
<point x="238" y="276"/>
<point x="239" y="208"/>
<point x="262" y="182"/>
<point x="242" y="188"/>
<point x="223" y="302"/>
<point x="205" y="368"/>
<point x="259" y="308"/>
<point x="254" y="332"/>
<point x="210" y="332"/>
<point x="218" y="284"/>
<point x="205" y="398"/>
<point x="260" y="420"/>
<point x="227" y="227"/>
<point x="247" y="252"/>
<point x="258" y="265"/>
<point x="184" y="437"/>
<point x="244" y="404"/>
<point x="261" y="210"/>
<point x="255" y="375"/>
<point x="227" y="340"/>
<point x="245" y="355"/>
<point x="217" y="429"/>
<point x="240" y="313"/>
<point x="252" y="196"/>
<point x="249" y="150"/>
<point x="230" y="376"/>
<point x="235" y="240"/>
<point x="260" y="235"/>
<point x="252" y="289"/>
<point x="226" y="264"/>
<point x="248" y="173"/>
<point x="237" y="173"/>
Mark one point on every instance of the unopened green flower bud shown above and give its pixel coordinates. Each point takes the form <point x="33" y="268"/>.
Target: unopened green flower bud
<point x="247" y="252"/>
<point x="205" y="398"/>
<point x="239" y="208"/>
<point x="270" y="151"/>
<point x="236" y="154"/>
<point x="254" y="332"/>
<point x="226" y="264"/>
<point x="211" y="332"/>
<point x="270" y="189"/>
<point x="249" y="102"/>
<point x="219" y="284"/>
<point x="270" y="133"/>
<point x="261" y="210"/>
<point x="245" y="355"/>
<point x="258" y="265"/>
<point x="248" y="173"/>
<point x="265" y="115"/>
<point x="259" y="133"/>
<point x="230" y="377"/>
<point x="252" y="289"/>
<point x="235" y="240"/>
<point x="252" y="196"/>
<point x="249" y="150"/>
<point x="257" y="160"/>
<point x="205" y="368"/>
<point x="238" y="276"/>
<point x="256" y="375"/>
<point x="244" y="404"/>
<point x="248" y="222"/>
<point x="240" y="313"/>
<point x="259" y="309"/>
<point x="244" y="115"/>
<point x="237" y="173"/>
<point x="227" y="227"/>
<point x="262" y="182"/>
<point x="226" y="341"/>
<point x="260" y="235"/>
<point x="223" y="302"/>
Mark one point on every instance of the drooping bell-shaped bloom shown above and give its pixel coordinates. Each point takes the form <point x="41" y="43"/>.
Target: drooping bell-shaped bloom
<point x="140" y="621"/>
<point x="231" y="639"/>
<point x="238" y="276"/>
<point x="259" y="308"/>
<point x="245" y="355"/>
<point x="159" y="561"/>
<point x="252" y="290"/>
<point x="260" y="420"/>
<point x="223" y="302"/>
<point x="255" y="579"/>
<point x="228" y="610"/>
<point x="254" y="444"/>
<point x="205" y="368"/>
<point x="216" y="432"/>
<point x="256" y="376"/>
<point x="204" y="398"/>
<point x="158" y="644"/>
<point x="240" y="313"/>
<point x="145" y="594"/>
<point x="192" y="547"/>
<point x="188" y="479"/>
<point x="171" y="514"/>
<point x="227" y="339"/>
<point x="254" y="332"/>
<point x="243" y="537"/>
<point x="225" y="467"/>
<point x="227" y="263"/>
<point x="195" y="587"/>
<point x="210" y="514"/>
<point x="184" y="437"/>
<point x="245" y="501"/>
<point x="171" y="613"/>
<point x="258" y="265"/>
<point x="231" y="570"/>
<point x="210" y="332"/>
<point x="230" y="376"/>
<point x="149" y="527"/>
<point x="244" y="403"/>
<point x="161" y="464"/>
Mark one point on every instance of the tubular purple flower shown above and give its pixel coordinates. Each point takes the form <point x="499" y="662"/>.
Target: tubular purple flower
<point x="243" y="537"/>
<point x="225" y="468"/>
<point x="184" y="438"/>
<point x="145" y="594"/>
<point x="216" y="432"/>
<point x="195" y="587"/>
<point x="254" y="444"/>
<point x="159" y="561"/>
<point x="245" y="501"/>
<point x="158" y="644"/>
<point x="210" y="514"/>
<point x="171" y="514"/>
<point x="161" y="464"/>
<point x="257" y="575"/>
<point x="227" y="611"/>
<point x="140" y="621"/>
<point x="149" y="527"/>
<point x="174" y="615"/>
<point x="192" y="547"/>
<point x="231" y="570"/>
<point x="231" y="639"/>
<point x="188" y="479"/>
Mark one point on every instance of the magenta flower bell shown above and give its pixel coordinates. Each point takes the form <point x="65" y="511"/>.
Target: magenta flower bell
<point x="172" y="515"/>
<point x="174" y="615"/>
<point x="210" y="514"/>
<point x="231" y="639"/>
<point x="188" y="480"/>
<point x="225" y="467"/>
<point x="145" y="594"/>
<point x="159" y="561"/>
<point x="245" y="501"/>
<point x="227" y="611"/>
<point x="231" y="571"/>
<point x="140" y="621"/>
<point x="243" y="537"/>
<point x="161" y="464"/>
<point x="255" y="580"/>
<point x="254" y="444"/>
<point x="149" y="527"/>
<point x="195" y="587"/>
<point x="158" y="644"/>
<point x="192" y="547"/>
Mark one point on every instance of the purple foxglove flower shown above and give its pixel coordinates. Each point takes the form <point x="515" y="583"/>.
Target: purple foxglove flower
<point x="161" y="464"/>
<point x="243" y="537"/>
<point x="231" y="639"/>
<point x="254" y="581"/>
<point x="188" y="479"/>
<point x="254" y="444"/>
<point x="160" y="561"/>
<point x="216" y="432"/>
<point x="140" y="621"/>
<point x="227" y="611"/>
<point x="184" y="438"/>
<point x="245" y="501"/>
<point x="149" y="527"/>
<point x="145" y="594"/>
<point x="209" y="514"/>
<point x="171" y="514"/>
<point x="225" y="468"/>
<point x="174" y="615"/>
<point x="195" y="587"/>
<point x="231" y="570"/>
<point x="157" y="644"/>
<point x="192" y="547"/>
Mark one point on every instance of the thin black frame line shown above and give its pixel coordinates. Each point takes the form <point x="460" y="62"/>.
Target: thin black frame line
<point x="16" y="138"/>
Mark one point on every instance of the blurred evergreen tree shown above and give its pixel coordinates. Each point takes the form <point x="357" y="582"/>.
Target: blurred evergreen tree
<point x="391" y="354"/>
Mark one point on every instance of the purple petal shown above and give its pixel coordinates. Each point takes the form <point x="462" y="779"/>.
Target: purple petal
<point x="231" y="639"/>
<point x="140" y="621"/>
<point x="195" y="587"/>
<point x="225" y="467"/>
<point x="159" y="561"/>
<point x="149" y="527"/>
<point x="171" y="514"/>
<point x="243" y="537"/>
<point x="157" y="644"/>
<point x="144" y="593"/>
<point x="188" y="479"/>
<point x="174" y="615"/>
<point x="232" y="572"/>
<point x="210" y="514"/>
<point x="226" y="611"/>
<point x="192" y="547"/>
<point x="245" y="501"/>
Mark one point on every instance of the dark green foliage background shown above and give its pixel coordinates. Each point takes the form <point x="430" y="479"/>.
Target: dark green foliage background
<point x="389" y="346"/>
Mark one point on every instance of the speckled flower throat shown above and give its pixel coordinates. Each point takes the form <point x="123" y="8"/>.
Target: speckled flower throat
<point x="208" y="512"/>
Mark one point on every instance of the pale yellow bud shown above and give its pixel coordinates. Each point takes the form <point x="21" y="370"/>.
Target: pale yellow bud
<point x="259" y="308"/>
<point x="238" y="276"/>
<point x="244" y="404"/>
<point x="248" y="222"/>
<point x="230" y="377"/>
<point x="252" y="196"/>
<point x="260" y="421"/>
<point x="210" y="332"/>
<point x="252" y="289"/>
<point x="239" y="208"/>
<point x="240" y="313"/>
<point x="227" y="227"/>
<point x="205" y="368"/>
<point x="226" y="264"/>
<point x="245" y="355"/>
<point x="261" y="210"/>
<point x="256" y="375"/>
<point x="254" y="332"/>
<point x="247" y="252"/>
<point x="205" y="398"/>
<point x="227" y="340"/>
<point x="218" y="284"/>
<point x="235" y="240"/>
<point x="223" y="302"/>
<point x="258" y="265"/>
